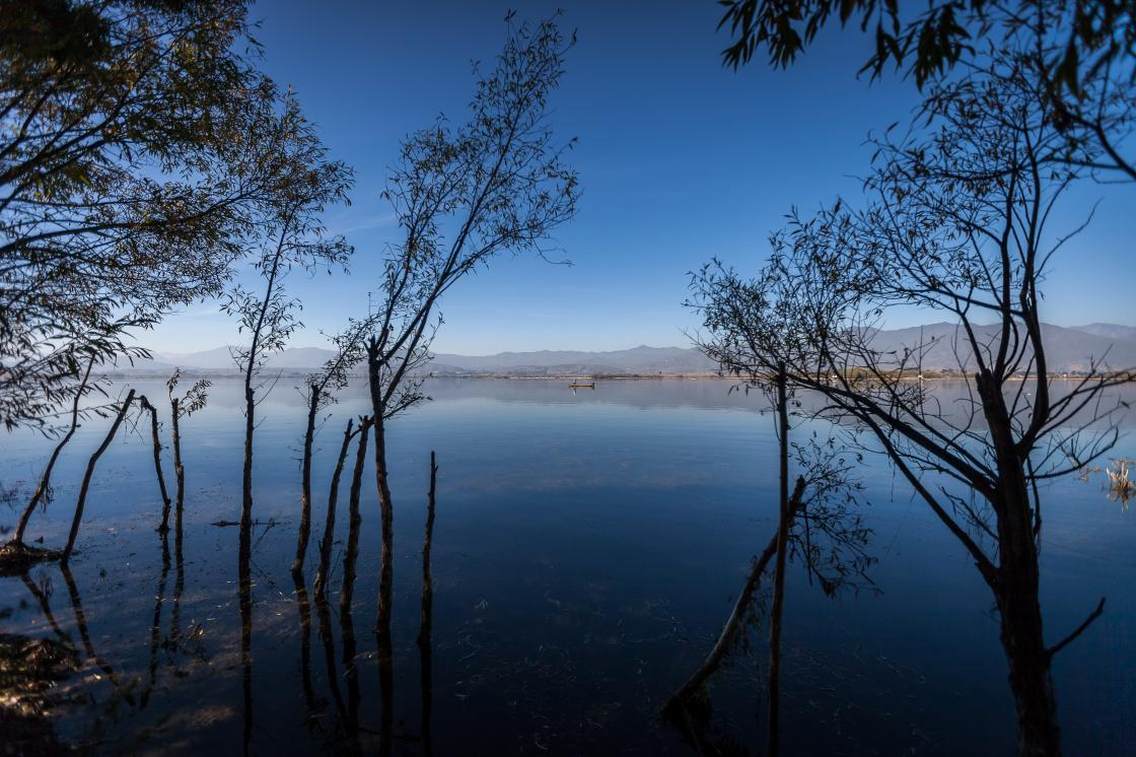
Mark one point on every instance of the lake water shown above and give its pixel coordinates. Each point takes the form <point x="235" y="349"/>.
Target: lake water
<point x="587" y="549"/>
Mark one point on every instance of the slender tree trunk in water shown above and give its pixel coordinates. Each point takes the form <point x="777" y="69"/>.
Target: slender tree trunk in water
<point x="1017" y="587"/>
<point x="427" y="542"/>
<point x="784" y="517"/>
<point x="82" y="500"/>
<point x="246" y="477"/>
<point x="427" y="620"/>
<point x="179" y="584"/>
<point x="736" y="622"/>
<point x="304" y="606"/>
<point x="386" y="507"/>
<point x="156" y="443"/>
<point x="244" y="594"/>
<point x="81" y="624"/>
<point x="323" y="614"/>
<point x="350" y="558"/>
<point x="156" y="622"/>
<point x="179" y="469"/>
<point x="306" y="484"/>
<point x="41" y="492"/>
<point x="351" y="553"/>
<point x="329" y="524"/>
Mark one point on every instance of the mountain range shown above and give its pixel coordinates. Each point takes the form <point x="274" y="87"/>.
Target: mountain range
<point x="1068" y="349"/>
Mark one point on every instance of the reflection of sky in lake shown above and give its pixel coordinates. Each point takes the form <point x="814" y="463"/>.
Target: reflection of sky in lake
<point x="587" y="549"/>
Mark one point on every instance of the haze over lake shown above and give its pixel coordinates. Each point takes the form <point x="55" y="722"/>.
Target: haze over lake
<point x="588" y="547"/>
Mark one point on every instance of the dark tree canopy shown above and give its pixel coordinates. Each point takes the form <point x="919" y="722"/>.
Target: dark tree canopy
<point x="927" y="39"/>
<point x="131" y="164"/>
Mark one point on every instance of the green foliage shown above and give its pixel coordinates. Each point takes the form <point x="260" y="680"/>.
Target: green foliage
<point x="137" y="154"/>
<point x="1088" y="35"/>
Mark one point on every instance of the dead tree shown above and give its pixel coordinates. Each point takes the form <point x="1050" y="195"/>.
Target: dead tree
<point x="498" y="183"/>
<point x="82" y="500"/>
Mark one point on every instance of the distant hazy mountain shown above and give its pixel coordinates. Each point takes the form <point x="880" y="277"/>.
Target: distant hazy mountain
<point x="1068" y="349"/>
<point x="640" y="359"/>
<point x="1109" y="330"/>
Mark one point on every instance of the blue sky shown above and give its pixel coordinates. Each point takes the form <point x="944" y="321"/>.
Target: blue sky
<point x="679" y="160"/>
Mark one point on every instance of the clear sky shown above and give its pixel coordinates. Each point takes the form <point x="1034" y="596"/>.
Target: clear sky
<point x="679" y="160"/>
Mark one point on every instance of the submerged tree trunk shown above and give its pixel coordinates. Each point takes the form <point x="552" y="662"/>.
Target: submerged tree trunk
<point x="734" y="624"/>
<point x="246" y="475"/>
<point x="82" y="500"/>
<point x="42" y="492"/>
<point x="386" y="507"/>
<point x="244" y="597"/>
<point x="350" y="558"/>
<point x="427" y="542"/>
<point x="304" y="607"/>
<point x="306" y="483"/>
<point x="329" y="524"/>
<point x="783" y="519"/>
<point x="179" y="469"/>
<point x="156" y="443"/>
<point x="351" y="553"/>
<point x="427" y="619"/>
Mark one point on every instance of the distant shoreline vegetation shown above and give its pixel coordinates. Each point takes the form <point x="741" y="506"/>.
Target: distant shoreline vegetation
<point x="930" y="375"/>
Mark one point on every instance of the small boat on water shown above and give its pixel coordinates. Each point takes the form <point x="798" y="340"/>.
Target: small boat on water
<point x="578" y="384"/>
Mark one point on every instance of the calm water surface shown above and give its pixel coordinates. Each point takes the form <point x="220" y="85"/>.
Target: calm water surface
<point x="587" y="549"/>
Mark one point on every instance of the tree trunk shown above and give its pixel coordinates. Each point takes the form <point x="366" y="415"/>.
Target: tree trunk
<point x="81" y="502"/>
<point x="246" y="477"/>
<point x="783" y="519"/>
<point x="304" y="607"/>
<point x="42" y="491"/>
<point x="427" y="542"/>
<point x="351" y="556"/>
<point x="329" y="524"/>
<point x="427" y="620"/>
<point x="351" y="553"/>
<point x="386" y="507"/>
<point x="179" y="469"/>
<point x="735" y="622"/>
<point x="244" y="596"/>
<point x="156" y="443"/>
<point x="306" y="483"/>
<point x="1017" y="587"/>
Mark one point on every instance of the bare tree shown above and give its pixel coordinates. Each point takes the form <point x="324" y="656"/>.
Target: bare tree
<point x="959" y="224"/>
<point x="291" y="235"/>
<point x="462" y="195"/>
